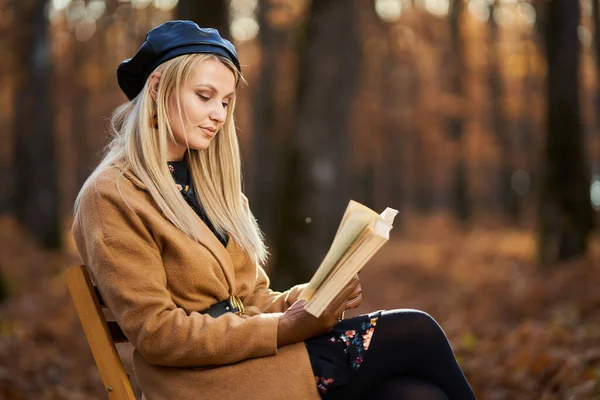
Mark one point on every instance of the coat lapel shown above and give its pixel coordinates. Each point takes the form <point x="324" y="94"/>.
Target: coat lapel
<point x="219" y="252"/>
<point x="208" y="240"/>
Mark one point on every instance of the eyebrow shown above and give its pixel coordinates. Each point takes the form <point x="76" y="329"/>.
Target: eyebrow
<point x="214" y="89"/>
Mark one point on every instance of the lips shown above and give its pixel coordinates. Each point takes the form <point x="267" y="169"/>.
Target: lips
<point x="210" y="131"/>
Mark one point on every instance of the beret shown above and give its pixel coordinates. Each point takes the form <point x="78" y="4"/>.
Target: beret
<point x="169" y="40"/>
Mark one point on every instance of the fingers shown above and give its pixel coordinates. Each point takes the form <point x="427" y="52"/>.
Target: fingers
<point x="351" y="290"/>
<point x="356" y="292"/>
<point x="339" y="311"/>
<point x="338" y="305"/>
<point x="354" y="299"/>
<point x="347" y="290"/>
<point x="354" y="302"/>
<point x="349" y="297"/>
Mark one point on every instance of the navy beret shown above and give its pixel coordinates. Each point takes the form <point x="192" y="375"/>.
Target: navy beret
<point x="167" y="41"/>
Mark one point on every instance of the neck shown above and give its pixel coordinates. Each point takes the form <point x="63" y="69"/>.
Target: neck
<point x="171" y="157"/>
<point x="175" y="154"/>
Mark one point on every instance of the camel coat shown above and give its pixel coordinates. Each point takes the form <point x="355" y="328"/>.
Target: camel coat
<point x="156" y="280"/>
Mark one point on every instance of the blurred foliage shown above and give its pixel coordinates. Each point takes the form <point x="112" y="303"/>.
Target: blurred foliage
<point x="519" y="332"/>
<point x="462" y="162"/>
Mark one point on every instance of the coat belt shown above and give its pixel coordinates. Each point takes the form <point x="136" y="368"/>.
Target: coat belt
<point x="232" y="304"/>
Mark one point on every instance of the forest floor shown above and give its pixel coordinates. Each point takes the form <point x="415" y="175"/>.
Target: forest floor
<point x="518" y="331"/>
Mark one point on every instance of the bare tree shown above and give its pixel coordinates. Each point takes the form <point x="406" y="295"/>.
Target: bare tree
<point x="456" y="123"/>
<point x="206" y="13"/>
<point x="273" y="108"/>
<point x="317" y="184"/>
<point x="508" y="199"/>
<point x="596" y="21"/>
<point x="35" y="164"/>
<point x="6" y="71"/>
<point x="565" y="213"/>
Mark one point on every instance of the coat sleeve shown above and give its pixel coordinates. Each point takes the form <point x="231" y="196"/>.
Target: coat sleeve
<point x="126" y="264"/>
<point x="270" y="301"/>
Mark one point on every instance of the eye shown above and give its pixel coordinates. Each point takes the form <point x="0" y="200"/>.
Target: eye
<point x="225" y="105"/>
<point x="204" y="98"/>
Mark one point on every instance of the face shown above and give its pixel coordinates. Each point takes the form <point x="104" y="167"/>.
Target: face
<point x="204" y="98"/>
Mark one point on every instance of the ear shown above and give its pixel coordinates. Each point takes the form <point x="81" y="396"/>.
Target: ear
<point x="153" y="82"/>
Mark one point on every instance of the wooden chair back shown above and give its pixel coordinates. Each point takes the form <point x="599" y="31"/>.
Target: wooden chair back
<point x="101" y="335"/>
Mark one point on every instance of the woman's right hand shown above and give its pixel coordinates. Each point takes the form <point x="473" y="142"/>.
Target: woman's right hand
<point x="297" y="325"/>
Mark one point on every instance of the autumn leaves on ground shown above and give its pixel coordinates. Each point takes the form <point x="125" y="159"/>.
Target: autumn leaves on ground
<point x="519" y="332"/>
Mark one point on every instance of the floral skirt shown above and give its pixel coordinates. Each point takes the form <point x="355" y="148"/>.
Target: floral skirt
<point x="336" y="355"/>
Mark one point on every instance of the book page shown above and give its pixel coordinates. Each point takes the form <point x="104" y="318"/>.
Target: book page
<point x="325" y="295"/>
<point x="351" y="259"/>
<point x="357" y="218"/>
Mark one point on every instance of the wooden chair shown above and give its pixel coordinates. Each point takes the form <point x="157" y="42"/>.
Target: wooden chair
<point x="101" y="335"/>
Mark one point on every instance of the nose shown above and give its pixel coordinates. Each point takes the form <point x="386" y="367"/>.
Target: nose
<point x="218" y="114"/>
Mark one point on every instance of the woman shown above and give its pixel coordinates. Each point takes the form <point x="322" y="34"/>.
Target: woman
<point x="170" y="241"/>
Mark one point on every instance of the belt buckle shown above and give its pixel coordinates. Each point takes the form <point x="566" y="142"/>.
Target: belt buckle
<point x="236" y="305"/>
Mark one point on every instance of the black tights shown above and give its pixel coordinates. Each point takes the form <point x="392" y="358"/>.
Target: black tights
<point x="409" y="358"/>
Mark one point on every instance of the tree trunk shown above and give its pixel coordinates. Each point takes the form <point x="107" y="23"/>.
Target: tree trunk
<point x="596" y="21"/>
<point x="317" y="189"/>
<point x="268" y="138"/>
<point x="565" y="213"/>
<point x="395" y="128"/>
<point x="36" y="175"/>
<point x="421" y="166"/>
<point x="271" y="145"/>
<point x="508" y="197"/>
<point x="596" y="141"/>
<point x="6" y="133"/>
<point x="206" y="13"/>
<point x="456" y="123"/>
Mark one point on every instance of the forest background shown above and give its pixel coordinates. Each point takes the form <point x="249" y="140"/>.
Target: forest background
<point x="478" y="119"/>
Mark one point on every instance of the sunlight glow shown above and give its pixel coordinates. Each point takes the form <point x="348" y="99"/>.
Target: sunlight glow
<point x="244" y="29"/>
<point x="243" y="8"/>
<point x="586" y="8"/>
<point x="480" y="9"/>
<point x="59" y="5"/>
<point x="585" y="36"/>
<point x="165" y="5"/>
<point x="595" y="193"/>
<point x="437" y="7"/>
<point x="95" y="9"/>
<point x="51" y="13"/>
<point x="85" y="30"/>
<point x="75" y="11"/>
<point x="527" y="13"/>
<point x="388" y="10"/>
<point x="505" y="15"/>
<point x="140" y="4"/>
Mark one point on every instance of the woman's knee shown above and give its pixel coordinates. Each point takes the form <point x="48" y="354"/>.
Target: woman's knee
<point x="418" y="322"/>
<point x="408" y="389"/>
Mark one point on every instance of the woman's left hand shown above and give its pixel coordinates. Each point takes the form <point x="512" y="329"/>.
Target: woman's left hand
<point x="355" y="298"/>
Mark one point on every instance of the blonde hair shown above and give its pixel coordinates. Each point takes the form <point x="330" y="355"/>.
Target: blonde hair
<point x="216" y="172"/>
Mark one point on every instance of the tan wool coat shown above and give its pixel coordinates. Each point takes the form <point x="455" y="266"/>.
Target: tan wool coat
<point x="156" y="280"/>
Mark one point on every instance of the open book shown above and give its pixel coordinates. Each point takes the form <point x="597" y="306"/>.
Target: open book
<point x="361" y="233"/>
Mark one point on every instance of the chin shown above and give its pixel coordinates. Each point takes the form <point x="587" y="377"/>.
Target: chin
<point x="200" y="145"/>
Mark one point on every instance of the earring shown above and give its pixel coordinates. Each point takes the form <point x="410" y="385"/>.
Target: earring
<point x="155" y="118"/>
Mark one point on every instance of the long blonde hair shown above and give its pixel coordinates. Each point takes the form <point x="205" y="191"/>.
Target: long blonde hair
<point x="216" y="172"/>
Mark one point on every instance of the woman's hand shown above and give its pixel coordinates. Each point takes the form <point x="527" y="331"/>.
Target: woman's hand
<point x="355" y="297"/>
<point x="296" y="324"/>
